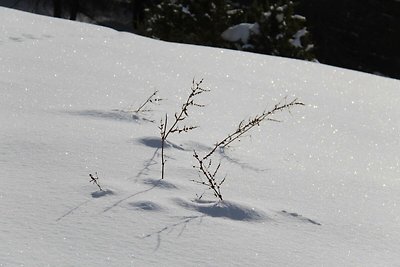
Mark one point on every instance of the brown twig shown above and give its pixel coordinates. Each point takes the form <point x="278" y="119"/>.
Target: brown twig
<point x="163" y="129"/>
<point x="211" y="182"/>
<point x="242" y="128"/>
<point x="178" y="118"/>
<point x="151" y="99"/>
<point x="95" y="180"/>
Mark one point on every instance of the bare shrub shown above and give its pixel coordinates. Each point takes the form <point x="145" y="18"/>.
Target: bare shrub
<point x="179" y="117"/>
<point x="205" y="165"/>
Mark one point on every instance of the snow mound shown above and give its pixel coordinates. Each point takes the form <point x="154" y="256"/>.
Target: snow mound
<point x="321" y="187"/>
<point x="223" y="209"/>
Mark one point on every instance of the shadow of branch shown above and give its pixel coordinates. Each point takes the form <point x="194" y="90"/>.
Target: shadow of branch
<point x="169" y="228"/>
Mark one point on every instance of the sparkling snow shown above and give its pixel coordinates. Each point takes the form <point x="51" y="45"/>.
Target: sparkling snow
<point x="321" y="188"/>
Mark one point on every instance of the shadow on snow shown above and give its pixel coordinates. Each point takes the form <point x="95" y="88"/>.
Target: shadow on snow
<point x="146" y="206"/>
<point x="115" y="114"/>
<point x="298" y="217"/>
<point x="102" y="193"/>
<point x="155" y="142"/>
<point x="162" y="184"/>
<point x="223" y="209"/>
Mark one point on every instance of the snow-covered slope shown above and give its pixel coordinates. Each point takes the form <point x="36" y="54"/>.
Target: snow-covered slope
<point x="319" y="189"/>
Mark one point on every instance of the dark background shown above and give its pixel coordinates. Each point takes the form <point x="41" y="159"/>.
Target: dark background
<point x="356" y="34"/>
<point x="361" y="35"/>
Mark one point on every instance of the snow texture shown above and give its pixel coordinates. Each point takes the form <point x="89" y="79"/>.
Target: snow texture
<point x="321" y="188"/>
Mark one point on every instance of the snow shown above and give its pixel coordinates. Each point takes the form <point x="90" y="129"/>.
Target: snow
<point x="185" y="9"/>
<point x="319" y="188"/>
<point x="279" y="17"/>
<point x="296" y="41"/>
<point x="240" y="32"/>
<point x="299" y="17"/>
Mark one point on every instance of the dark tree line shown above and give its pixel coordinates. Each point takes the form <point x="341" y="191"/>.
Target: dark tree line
<point x="59" y="6"/>
<point x="358" y="34"/>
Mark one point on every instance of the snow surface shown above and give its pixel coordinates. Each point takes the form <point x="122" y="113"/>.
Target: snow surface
<point x="319" y="189"/>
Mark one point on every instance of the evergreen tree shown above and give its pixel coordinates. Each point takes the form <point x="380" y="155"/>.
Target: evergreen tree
<point x="277" y="30"/>
<point x="189" y="21"/>
<point x="269" y="27"/>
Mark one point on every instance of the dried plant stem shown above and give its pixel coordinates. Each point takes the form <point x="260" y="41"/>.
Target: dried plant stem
<point x="150" y="99"/>
<point x="243" y="128"/>
<point x="95" y="180"/>
<point x="210" y="176"/>
<point x="180" y="116"/>
<point x="163" y="139"/>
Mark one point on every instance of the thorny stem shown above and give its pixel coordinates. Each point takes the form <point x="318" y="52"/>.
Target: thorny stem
<point x="94" y="180"/>
<point x="212" y="183"/>
<point x="183" y="114"/>
<point x="163" y="139"/>
<point x="242" y="129"/>
<point x="149" y="99"/>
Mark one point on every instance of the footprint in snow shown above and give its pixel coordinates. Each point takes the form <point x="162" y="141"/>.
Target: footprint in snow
<point x="146" y="206"/>
<point x="162" y="184"/>
<point x="298" y="217"/>
<point x="102" y="193"/>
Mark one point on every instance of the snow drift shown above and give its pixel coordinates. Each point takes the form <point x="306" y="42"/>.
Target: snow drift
<point x="319" y="188"/>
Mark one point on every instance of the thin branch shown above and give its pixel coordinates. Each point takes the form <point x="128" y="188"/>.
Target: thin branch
<point x="211" y="180"/>
<point x="183" y="114"/>
<point x="242" y="128"/>
<point x="151" y="99"/>
<point x="95" y="180"/>
<point x="163" y="128"/>
<point x="178" y="118"/>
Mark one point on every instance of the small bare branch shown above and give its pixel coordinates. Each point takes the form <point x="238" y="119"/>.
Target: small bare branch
<point x="151" y="99"/>
<point x="210" y="177"/>
<point x="243" y="127"/>
<point x="95" y="180"/>
<point x="179" y="117"/>
<point x="163" y="129"/>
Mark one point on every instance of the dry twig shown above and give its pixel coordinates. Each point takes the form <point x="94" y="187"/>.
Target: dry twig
<point x="175" y="127"/>
<point x="95" y="180"/>
<point x="205" y="164"/>
<point x="151" y="99"/>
